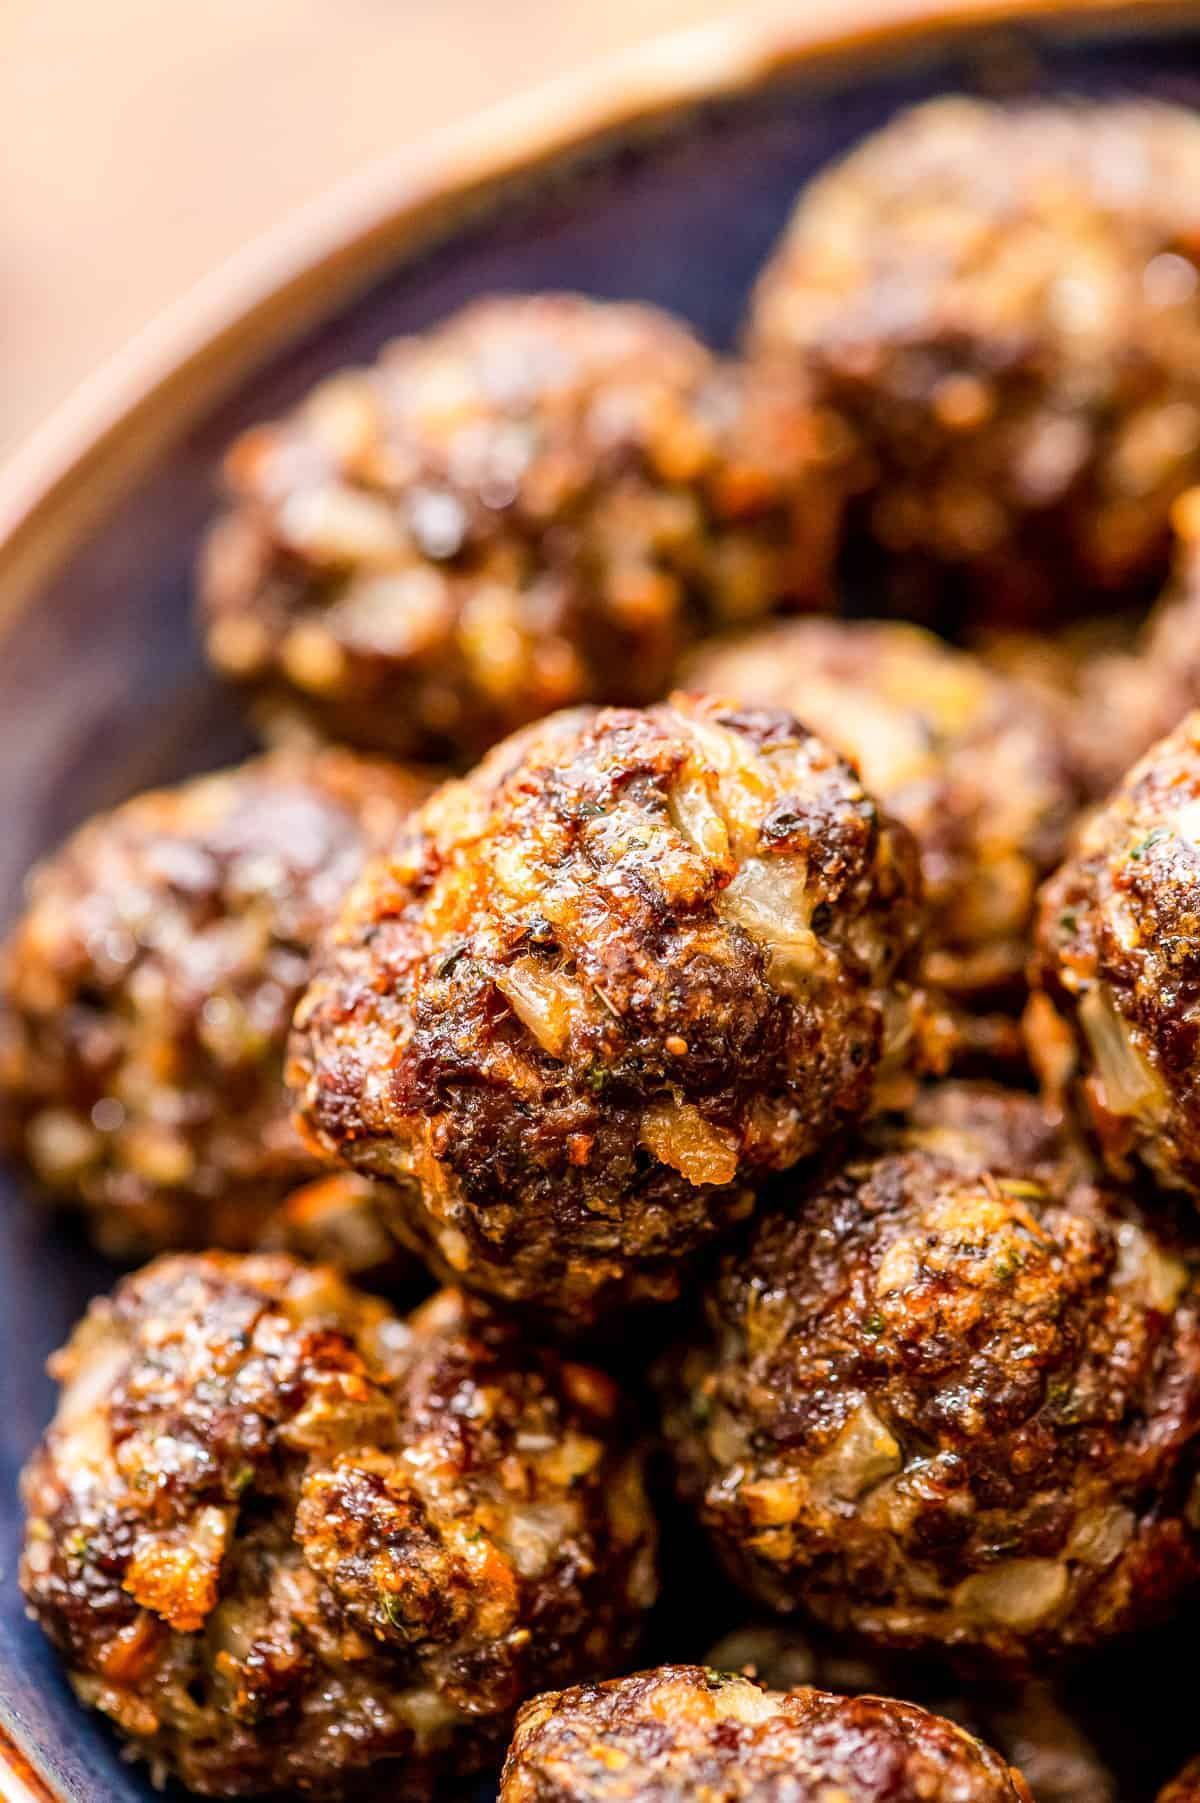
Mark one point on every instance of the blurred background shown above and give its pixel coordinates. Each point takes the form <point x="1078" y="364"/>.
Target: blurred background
<point x="143" y="142"/>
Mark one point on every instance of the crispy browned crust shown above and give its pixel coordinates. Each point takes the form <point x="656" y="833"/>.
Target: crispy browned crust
<point x="287" y="1542"/>
<point x="540" y="502"/>
<point x="146" y="994"/>
<point x="1118" y="955"/>
<point x="1031" y="1721"/>
<point x="971" y="763"/>
<point x="633" y="964"/>
<point x="1000" y="304"/>
<point x="949" y="1398"/>
<point x="689" y="1734"/>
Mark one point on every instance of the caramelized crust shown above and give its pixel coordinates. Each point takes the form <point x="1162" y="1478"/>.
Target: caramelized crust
<point x="542" y="501"/>
<point x="971" y="763"/>
<point x="147" y="991"/>
<point x="948" y="1399"/>
<point x="633" y="964"/>
<point x="1118" y="958"/>
<point x="688" y="1734"/>
<point x="1000" y="304"/>
<point x="288" y="1542"/>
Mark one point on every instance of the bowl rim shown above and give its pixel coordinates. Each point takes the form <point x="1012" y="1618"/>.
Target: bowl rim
<point x="93" y="446"/>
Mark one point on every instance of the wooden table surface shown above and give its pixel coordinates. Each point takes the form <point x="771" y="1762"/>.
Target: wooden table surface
<point x="142" y="143"/>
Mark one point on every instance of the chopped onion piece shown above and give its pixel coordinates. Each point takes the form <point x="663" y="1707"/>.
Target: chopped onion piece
<point x="693" y="812"/>
<point x="1131" y="1084"/>
<point x="1100" y="1536"/>
<point x="1156" y="1279"/>
<point x="543" y="1000"/>
<point x="864" y="1453"/>
<point x="771" y="1502"/>
<point x="1019" y="1592"/>
<point x="768" y="899"/>
<point x="678" y="1134"/>
<point x="745" y="786"/>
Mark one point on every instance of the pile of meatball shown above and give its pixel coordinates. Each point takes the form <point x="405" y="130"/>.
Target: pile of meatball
<point x="692" y="1022"/>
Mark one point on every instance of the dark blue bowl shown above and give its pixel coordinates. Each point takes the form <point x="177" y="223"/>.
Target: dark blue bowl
<point x="103" y="691"/>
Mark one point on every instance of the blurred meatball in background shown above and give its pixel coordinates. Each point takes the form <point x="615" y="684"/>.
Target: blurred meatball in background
<point x="147" y="991"/>
<point x="542" y="501"/>
<point x="1001" y="305"/>
<point x="972" y="763"/>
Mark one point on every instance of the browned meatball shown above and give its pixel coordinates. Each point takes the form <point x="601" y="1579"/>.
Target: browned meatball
<point x="1030" y="1722"/>
<point x="689" y="1734"/>
<point x="950" y="1401"/>
<point x="1093" y="680"/>
<point x="542" y="501"/>
<point x="1185" y="1788"/>
<point x="286" y="1541"/>
<point x="146" y="994"/>
<point x="631" y="965"/>
<point x="1117" y="684"/>
<point x="1130" y="698"/>
<point x="987" y="1126"/>
<point x="1118" y="954"/>
<point x="971" y="763"/>
<point x="1001" y="304"/>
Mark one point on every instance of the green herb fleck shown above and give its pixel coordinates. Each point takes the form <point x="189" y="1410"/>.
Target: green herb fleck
<point x="391" y="1609"/>
<point x="1143" y="845"/>
<point x="1069" y="923"/>
<point x="874" y="1326"/>
<point x="596" y="1078"/>
<point x="1007" y="1264"/>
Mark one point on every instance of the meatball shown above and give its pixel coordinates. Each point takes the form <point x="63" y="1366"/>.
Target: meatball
<point x="1031" y="1723"/>
<point x="146" y="994"/>
<point x="971" y="763"/>
<point x="339" y="1219"/>
<point x="949" y="1401"/>
<point x="688" y="1734"/>
<point x="1001" y="305"/>
<point x="1134" y="696"/>
<point x="1092" y="678"/>
<point x="286" y="1541"/>
<point x="1118" y="956"/>
<point x="1116" y="684"/>
<point x="540" y="502"/>
<point x="987" y="1126"/>
<point x="631" y="965"/>
<point x="1185" y="1788"/>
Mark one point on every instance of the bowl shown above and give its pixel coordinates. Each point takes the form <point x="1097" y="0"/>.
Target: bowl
<point x="664" y="177"/>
